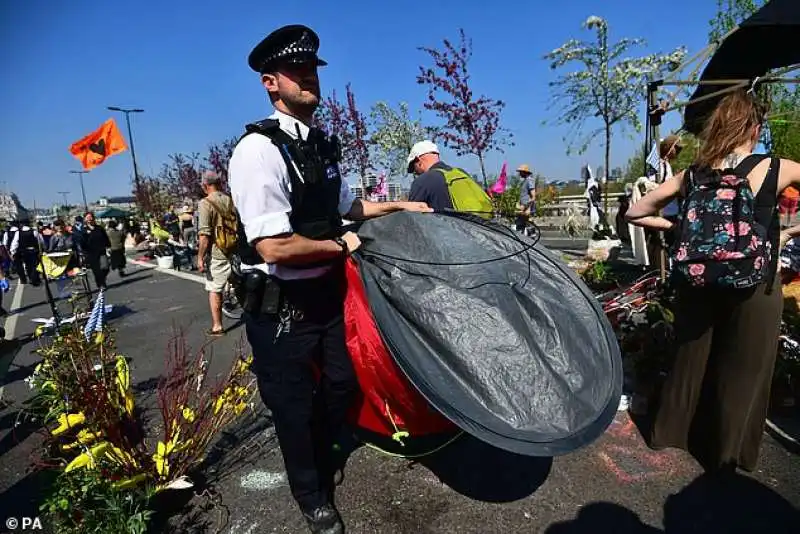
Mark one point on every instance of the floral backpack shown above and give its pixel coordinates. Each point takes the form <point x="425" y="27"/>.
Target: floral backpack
<point x="722" y="240"/>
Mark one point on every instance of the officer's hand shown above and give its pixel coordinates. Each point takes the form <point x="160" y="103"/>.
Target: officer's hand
<point x="352" y="240"/>
<point x="420" y="207"/>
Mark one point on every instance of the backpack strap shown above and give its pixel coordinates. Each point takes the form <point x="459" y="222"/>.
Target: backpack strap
<point x="749" y="163"/>
<point x="217" y="209"/>
<point x="767" y="211"/>
<point x="766" y="205"/>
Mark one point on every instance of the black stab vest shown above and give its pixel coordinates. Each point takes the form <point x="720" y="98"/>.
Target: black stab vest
<point x="313" y="167"/>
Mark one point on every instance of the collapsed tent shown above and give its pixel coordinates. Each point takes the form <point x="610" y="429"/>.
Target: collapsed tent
<point x="494" y="331"/>
<point x="766" y="40"/>
<point x="389" y="413"/>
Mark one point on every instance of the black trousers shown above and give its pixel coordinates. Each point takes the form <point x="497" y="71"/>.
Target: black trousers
<point x="25" y="263"/>
<point x="99" y="269"/>
<point x="308" y="410"/>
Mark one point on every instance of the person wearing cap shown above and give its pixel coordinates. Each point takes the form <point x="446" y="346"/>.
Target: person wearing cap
<point x="291" y="199"/>
<point x="210" y="259"/>
<point x="527" y="197"/>
<point x="434" y="179"/>
<point x="429" y="186"/>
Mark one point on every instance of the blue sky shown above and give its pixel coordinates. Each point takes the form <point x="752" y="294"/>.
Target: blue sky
<point x="184" y="62"/>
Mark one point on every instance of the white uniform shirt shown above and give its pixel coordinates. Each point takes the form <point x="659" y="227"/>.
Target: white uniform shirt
<point x="261" y="189"/>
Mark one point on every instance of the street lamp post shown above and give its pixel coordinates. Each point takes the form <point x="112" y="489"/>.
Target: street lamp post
<point x="83" y="191"/>
<point x="127" y="113"/>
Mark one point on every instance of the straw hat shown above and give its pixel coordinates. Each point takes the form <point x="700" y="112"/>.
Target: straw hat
<point x="668" y="143"/>
<point x="524" y="169"/>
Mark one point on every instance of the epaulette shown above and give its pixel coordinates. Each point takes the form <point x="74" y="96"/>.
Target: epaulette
<point x="264" y="126"/>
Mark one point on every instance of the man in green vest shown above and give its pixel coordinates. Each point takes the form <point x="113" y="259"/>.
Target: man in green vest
<point x="443" y="187"/>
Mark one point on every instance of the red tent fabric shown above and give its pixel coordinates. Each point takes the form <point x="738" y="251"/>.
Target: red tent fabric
<point x="389" y="404"/>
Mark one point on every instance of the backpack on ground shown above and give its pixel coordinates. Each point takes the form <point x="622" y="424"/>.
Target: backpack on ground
<point x="719" y="242"/>
<point x="226" y="228"/>
<point x="466" y="195"/>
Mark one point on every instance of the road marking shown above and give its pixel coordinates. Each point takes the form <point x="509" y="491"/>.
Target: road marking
<point x="239" y="525"/>
<point x="180" y="274"/>
<point x="11" y="322"/>
<point x="262" y="480"/>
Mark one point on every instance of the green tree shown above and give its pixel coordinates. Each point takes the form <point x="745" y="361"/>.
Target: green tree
<point x="634" y="167"/>
<point x="608" y="86"/>
<point x="729" y="14"/>
<point x="782" y="135"/>
<point x="394" y="132"/>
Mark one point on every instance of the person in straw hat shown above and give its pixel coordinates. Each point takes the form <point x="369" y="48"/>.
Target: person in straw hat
<point x="527" y="197"/>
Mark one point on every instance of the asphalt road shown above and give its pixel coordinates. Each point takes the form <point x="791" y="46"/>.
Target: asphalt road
<point x="616" y="485"/>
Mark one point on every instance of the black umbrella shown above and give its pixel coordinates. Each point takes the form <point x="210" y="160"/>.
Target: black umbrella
<point x="769" y="39"/>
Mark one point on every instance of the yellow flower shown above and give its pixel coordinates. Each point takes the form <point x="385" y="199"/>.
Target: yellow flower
<point x="131" y="482"/>
<point x="243" y="364"/>
<point x="219" y="403"/>
<point x="98" y="340"/>
<point x="160" y="457"/>
<point x="65" y="422"/>
<point x="188" y="414"/>
<point x="84" y="460"/>
<point x="84" y="438"/>
<point x="87" y="459"/>
<point x="239" y="407"/>
<point x="183" y="446"/>
<point x="123" y="375"/>
<point x="121" y="457"/>
<point x="129" y="402"/>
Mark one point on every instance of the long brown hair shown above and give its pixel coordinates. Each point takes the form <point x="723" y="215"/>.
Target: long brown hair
<point x="729" y="126"/>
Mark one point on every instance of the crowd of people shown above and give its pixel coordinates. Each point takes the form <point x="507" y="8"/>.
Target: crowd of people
<point x="98" y="245"/>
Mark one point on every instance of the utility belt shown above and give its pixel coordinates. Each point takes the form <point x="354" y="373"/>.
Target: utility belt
<point x="262" y="294"/>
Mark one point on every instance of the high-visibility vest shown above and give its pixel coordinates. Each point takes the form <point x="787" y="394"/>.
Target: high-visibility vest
<point x="466" y="195"/>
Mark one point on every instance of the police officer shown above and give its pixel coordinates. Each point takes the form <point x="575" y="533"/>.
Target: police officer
<point x="286" y="186"/>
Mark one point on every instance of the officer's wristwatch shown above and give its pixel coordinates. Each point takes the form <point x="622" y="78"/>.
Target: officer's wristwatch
<point x="342" y="243"/>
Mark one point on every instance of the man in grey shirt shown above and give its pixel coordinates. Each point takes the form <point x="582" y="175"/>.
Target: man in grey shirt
<point x="527" y="197"/>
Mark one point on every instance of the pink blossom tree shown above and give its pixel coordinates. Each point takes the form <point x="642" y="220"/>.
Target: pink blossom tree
<point x="348" y="123"/>
<point x="472" y="125"/>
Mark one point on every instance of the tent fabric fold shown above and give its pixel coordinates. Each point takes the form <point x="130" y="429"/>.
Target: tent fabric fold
<point x="389" y="406"/>
<point x="494" y="331"/>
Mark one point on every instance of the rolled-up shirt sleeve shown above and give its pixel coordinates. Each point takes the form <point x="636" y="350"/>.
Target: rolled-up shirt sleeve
<point x="346" y="198"/>
<point x="260" y="188"/>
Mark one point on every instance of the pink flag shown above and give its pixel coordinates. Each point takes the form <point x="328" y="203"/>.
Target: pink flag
<point x="500" y="185"/>
<point x="381" y="189"/>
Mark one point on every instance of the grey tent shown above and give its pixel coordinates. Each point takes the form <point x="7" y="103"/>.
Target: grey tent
<point x="495" y="332"/>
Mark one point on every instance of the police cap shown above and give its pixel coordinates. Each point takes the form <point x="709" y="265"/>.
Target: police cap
<point x="290" y="44"/>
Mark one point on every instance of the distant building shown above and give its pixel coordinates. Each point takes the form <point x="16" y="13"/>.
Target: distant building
<point x="394" y="191"/>
<point x="123" y="203"/>
<point x="11" y="209"/>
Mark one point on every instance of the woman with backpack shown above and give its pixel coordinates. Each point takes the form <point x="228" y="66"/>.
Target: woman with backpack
<point x="728" y="294"/>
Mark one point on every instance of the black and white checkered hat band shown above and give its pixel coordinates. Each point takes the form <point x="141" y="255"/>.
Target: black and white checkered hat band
<point x="302" y="47"/>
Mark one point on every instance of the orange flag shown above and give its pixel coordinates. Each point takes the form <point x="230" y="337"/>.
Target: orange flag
<point x="102" y="143"/>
